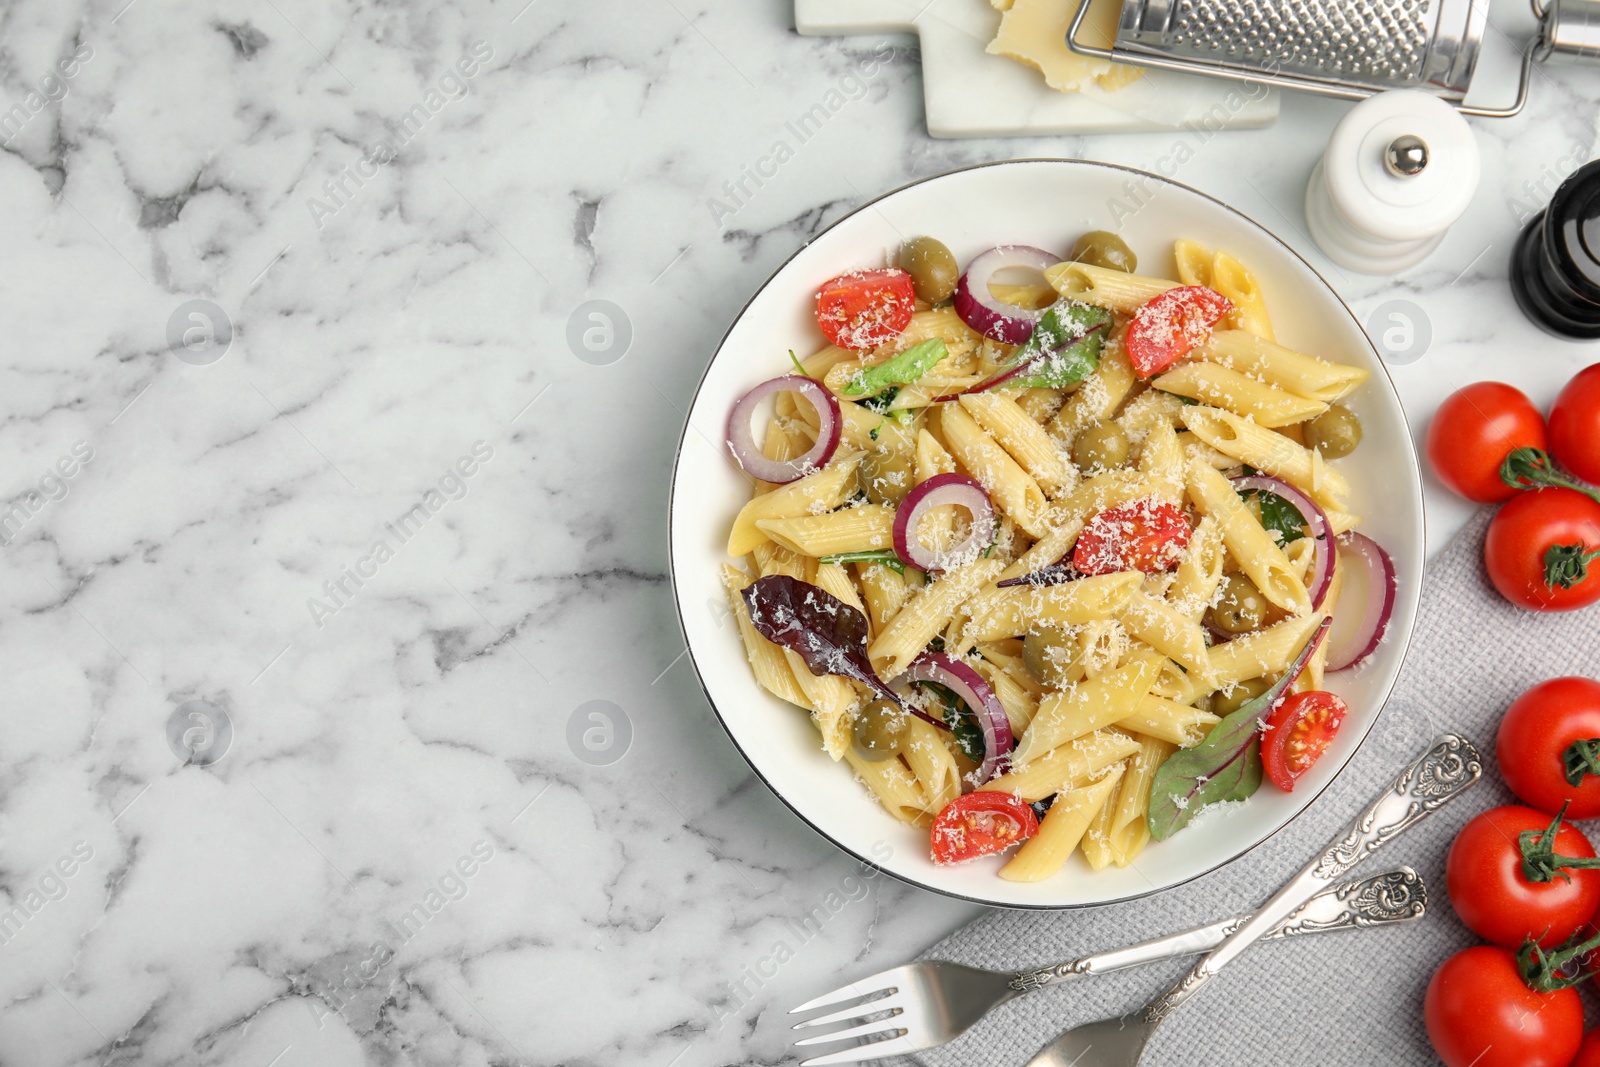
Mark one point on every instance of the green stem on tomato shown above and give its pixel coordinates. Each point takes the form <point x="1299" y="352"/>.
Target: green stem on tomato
<point x="1540" y="861"/>
<point x="1581" y="757"/>
<point x="1530" y="468"/>
<point x="1567" y="565"/>
<point x="1546" y="972"/>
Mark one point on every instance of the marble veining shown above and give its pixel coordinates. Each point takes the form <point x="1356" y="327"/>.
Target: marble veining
<point x="346" y="714"/>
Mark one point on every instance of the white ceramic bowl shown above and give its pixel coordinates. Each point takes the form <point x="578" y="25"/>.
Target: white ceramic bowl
<point x="1047" y="203"/>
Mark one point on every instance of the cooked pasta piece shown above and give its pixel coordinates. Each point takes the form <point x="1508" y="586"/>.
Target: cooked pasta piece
<point x="1112" y="289"/>
<point x="1264" y="653"/>
<point x="1046" y="852"/>
<point x="896" y="788"/>
<point x="1258" y="555"/>
<point x="818" y="492"/>
<point x="832" y="701"/>
<point x="1019" y="702"/>
<point x="1168" y="720"/>
<point x="1199" y="572"/>
<point x="1024" y="439"/>
<point x="1098" y="396"/>
<point x="1234" y="281"/>
<point x="767" y="661"/>
<point x="885" y="591"/>
<point x="864" y="528"/>
<point x="1162" y="627"/>
<point x="1011" y="487"/>
<point x="1018" y="609"/>
<point x="925" y="615"/>
<point x="1268" y="452"/>
<point x="1161" y="460"/>
<point x="1086" y="707"/>
<point x="1130" y="830"/>
<point x="1058" y="769"/>
<point x="1295" y="372"/>
<point x="926" y="755"/>
<point x="1227" y="388"/>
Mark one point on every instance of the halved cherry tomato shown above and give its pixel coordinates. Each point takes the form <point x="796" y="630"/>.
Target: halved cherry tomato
<point x="1542" y="548"/>
<point x="1168" y="326"/>
<point x="1484" y="877"/>
<point x="1299" y="731"/>
<point x="1550" y="736"/>
<point x="1474" y="430"/>
<point x="1480" y="1013"/>
<point x="1142" y="535"/>
<point x="980" y="824"/>
<point x="1575" y="425"/>
<point x="865" y="308"/>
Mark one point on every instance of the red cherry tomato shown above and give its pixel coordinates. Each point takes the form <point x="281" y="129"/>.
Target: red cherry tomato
<point x="979" y="824"/>
<point x="865" y="308"/>
<point x="1480" y="1013"/>
<point x="1589" y="1051"/>
<point x="1167" y="327"/>
<point x="1483" y="876"/>
<point x="1299" y="731"/>
<point x="1472" y="433"/>
<point x="1536" y="737"/>
<point x="1541" y="549"/>
<point x="1142" y="535"/>
<point x="1575" y="425"/>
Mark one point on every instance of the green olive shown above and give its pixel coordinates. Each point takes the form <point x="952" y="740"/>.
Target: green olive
<point x="1102" y="248"/>
<point x="1100" y="446"/>
<point x="886" y="475"/>
<point x="1241" y="607"/>
<point x="1335" y="433"/>
<point x="1228" y="701"/>
<point x="933" y="269"/>
<point x="879" y="730"/>
<point x="1046" y="653"/>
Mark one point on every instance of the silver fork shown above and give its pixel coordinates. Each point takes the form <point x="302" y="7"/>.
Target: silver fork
<point x="935" y="1001"/>
<point x="1433" y="779"/>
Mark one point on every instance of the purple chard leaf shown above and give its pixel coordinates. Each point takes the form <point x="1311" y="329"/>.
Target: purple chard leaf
<point x="824" y="631"/>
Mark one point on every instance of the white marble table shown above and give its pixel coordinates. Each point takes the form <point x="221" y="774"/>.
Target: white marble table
<point x="362" y="532"/>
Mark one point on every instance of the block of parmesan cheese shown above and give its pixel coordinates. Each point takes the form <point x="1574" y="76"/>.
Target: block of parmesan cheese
<point x="1034" y="33"/>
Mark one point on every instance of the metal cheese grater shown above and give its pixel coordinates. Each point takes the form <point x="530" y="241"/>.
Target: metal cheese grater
<point x="1348" y="48"/>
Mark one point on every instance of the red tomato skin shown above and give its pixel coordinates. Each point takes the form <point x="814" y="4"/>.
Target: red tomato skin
<point x="1474" y="430"/>
<point x="1524" y="529"/>
<point x="1479" y="1013"/>
<point x="952" y="840"/>
<point x="1589" y="1051"/>
<point x="1534" y="736"/>
<point x="1167" y="327"/>
<point x="1144" y="535"/>
<point x="1276" y="757"/>
<point x="1483" y="875"/>
<point x="863" y="309"/>
<point x="1575" y="425"/>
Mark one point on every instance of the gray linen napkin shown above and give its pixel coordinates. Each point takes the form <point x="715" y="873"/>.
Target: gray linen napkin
<point x="1345" y="998"/>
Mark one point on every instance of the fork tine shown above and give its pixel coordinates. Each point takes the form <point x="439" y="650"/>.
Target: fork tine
<point x="871" y="1051"/>
<point x="855" y="1011"/>
<point x="878" y="983"/>
<point x="877" y="1026"/>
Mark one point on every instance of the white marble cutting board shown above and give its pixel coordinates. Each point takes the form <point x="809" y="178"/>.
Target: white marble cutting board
<point x="969" y="93"/>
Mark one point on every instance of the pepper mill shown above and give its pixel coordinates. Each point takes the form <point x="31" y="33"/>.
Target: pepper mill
<point x="1400" y="168"/>
<point x="1555" y="264"/>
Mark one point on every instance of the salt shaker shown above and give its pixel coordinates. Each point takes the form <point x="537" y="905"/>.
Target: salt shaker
<point x="1399" y="169"/>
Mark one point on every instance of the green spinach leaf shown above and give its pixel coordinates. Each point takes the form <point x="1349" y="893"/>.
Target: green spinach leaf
<point x="902" y="368"/>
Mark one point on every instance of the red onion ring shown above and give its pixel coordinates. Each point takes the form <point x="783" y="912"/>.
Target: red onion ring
<point x="1323" y="563"/>
<point x="969" y="685"/>
<point x="939" y="490"/>
<point x="742" y="442"/>
<point x="1382" y="587"/>
<point x="981" y="310"/>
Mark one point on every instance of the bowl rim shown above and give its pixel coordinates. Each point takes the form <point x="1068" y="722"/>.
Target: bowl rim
<point x="677" y="600"/>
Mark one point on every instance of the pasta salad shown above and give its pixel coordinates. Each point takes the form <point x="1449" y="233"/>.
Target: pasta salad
<point x="1050" y="549"/>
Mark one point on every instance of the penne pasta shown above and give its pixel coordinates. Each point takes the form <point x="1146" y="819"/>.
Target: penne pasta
<point x="1046" y="852"/>
<point x="1099" y="395"/>
<point x="1255" y="550"/>
<point x="1113" y="289"/>
<point x="1199" y="573"/>
<point x="1058" y="769"/>
<point x="1019" y="609"/>
<point x="895" y="787"/>
<point x="767" y="661"/>
<point x="864" y="528"/>
<point x="1023" y="439"/>
<point x="925" y="615"/>
<point x="935" y="768"/>
<point x="1261" y="654"/>
<point x="1234" y="281"/>
<point x="818" y="492"/>
<point x="1270" y="453"/>
<point x="1291" y="371"/>
<point x="1129" y="830"/>
<point x="1088" y="706"/>
<point x="1212" y="383"/>
<point x="1168" y="631"/>
<point x="1168" y="720"/>
<point x="1001" y="476"/>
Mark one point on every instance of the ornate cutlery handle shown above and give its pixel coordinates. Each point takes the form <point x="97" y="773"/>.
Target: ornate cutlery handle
<point x="1439" y="775"/>
<point x="1395" y="896"/>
